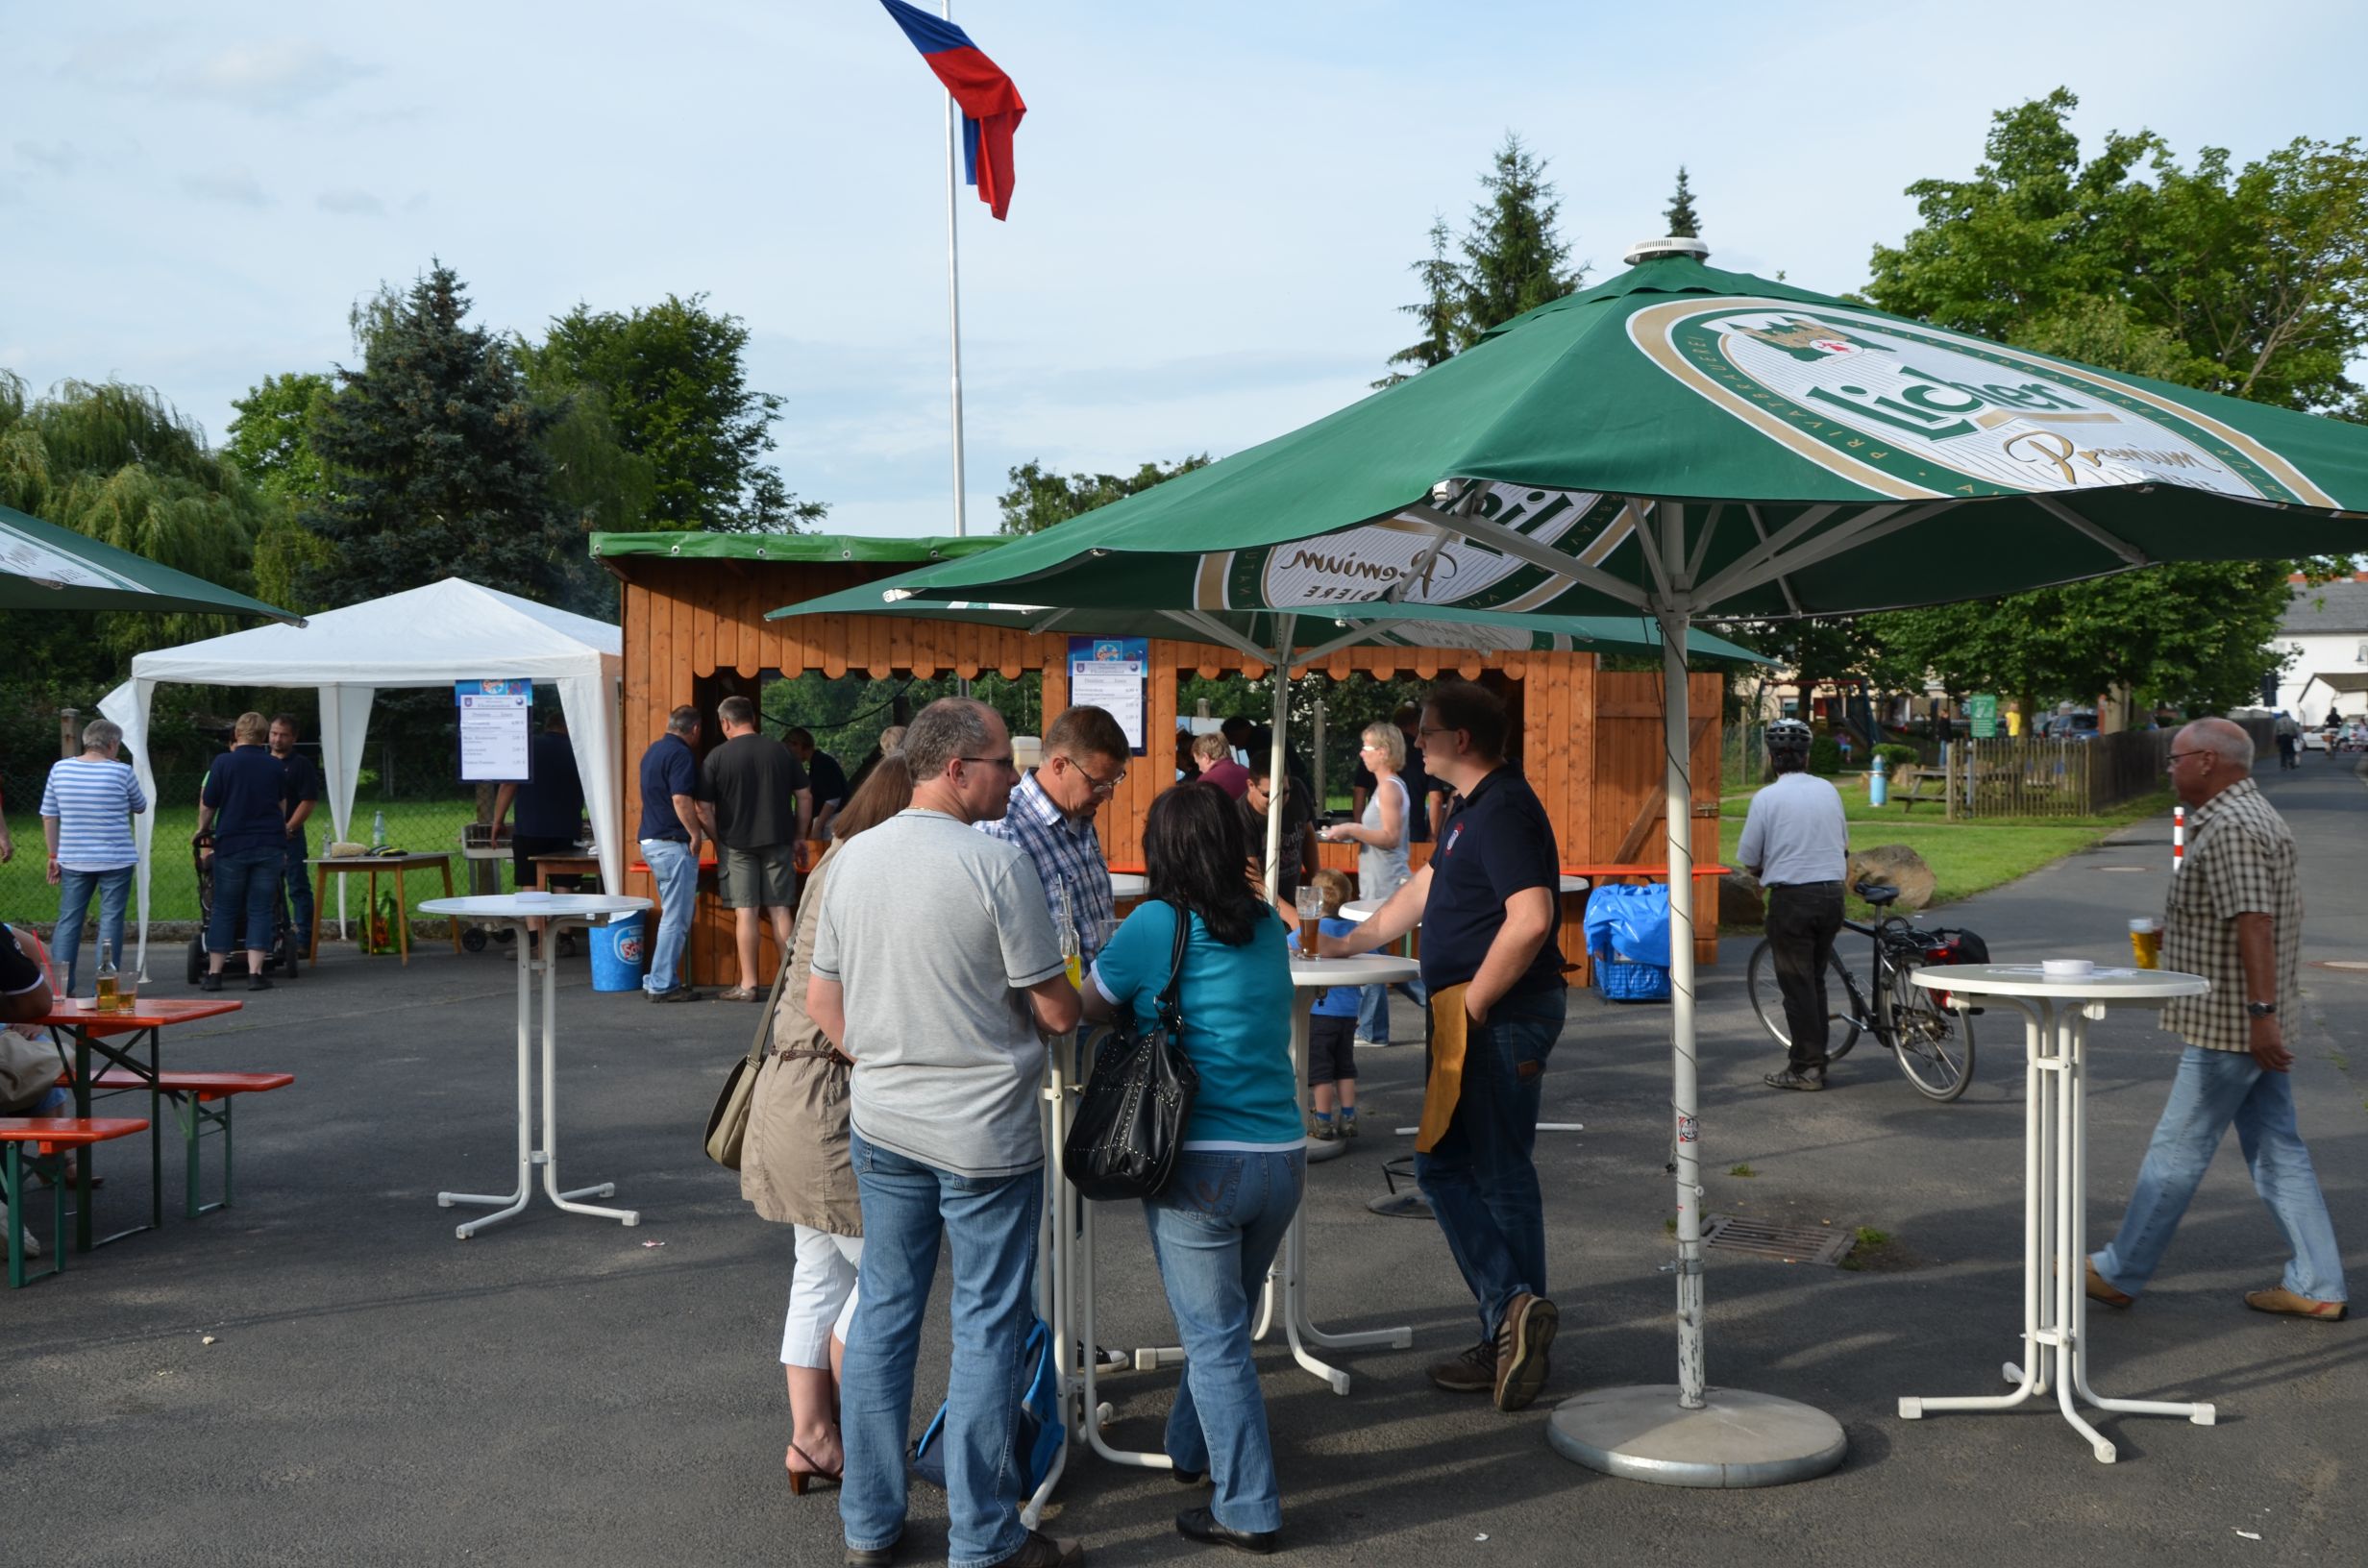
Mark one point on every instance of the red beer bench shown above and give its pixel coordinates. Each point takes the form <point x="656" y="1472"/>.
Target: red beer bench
<point x="195" y="1096"/>
<point x="40" y="1142"/>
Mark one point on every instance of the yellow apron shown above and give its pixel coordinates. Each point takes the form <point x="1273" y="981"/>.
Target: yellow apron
<point x="1445" y="1084"/>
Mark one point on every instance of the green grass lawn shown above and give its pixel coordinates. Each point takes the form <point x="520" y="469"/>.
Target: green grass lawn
<point x="1967" y="857"/>
<point x="425" y="825"/>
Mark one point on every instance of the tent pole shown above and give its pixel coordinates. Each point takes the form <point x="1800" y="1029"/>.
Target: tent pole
<point x="1688" y="1435"/>
<point x="1278" y="777"/>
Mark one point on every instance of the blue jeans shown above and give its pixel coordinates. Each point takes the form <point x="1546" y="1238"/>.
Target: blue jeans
<point x="677" y="875"/>
<point x="2212" y="1089"/>
<point x="246" y="885"/>
<point x="1373" y="1009"/>
<point x="1481" y="1182"/>
<point x="1213" y="1231"/>
<point x="989" y="1224"/>
<point x="74" y="891"/>
<point x="299" y="881"/>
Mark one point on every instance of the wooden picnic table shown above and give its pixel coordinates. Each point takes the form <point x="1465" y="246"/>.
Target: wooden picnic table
<point x="372" y="865"/>
<point x="95" y="1032"/>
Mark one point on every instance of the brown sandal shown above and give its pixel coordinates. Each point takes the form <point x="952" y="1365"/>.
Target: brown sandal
<point x="817" y="1474"/>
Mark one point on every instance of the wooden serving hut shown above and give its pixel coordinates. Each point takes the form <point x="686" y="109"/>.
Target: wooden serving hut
<point x="694" y="605"/>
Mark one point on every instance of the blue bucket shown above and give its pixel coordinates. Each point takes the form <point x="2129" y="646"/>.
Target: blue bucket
<point x="617" y="954"/>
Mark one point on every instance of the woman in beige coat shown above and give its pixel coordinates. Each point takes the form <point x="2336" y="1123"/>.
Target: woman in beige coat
<point x="794" y="1163"/>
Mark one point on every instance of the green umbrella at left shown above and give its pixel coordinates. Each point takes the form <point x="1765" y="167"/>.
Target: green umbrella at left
<point x="44" y="567"/>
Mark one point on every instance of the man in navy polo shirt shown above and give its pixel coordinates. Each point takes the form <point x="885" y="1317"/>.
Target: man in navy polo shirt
<point x="1489" y="904"/>
<point x="672" y="828"/>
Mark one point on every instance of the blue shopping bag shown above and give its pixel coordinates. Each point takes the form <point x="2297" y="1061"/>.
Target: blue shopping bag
<point x="1039" y="1436"/>
<point x="1630" y="922"/>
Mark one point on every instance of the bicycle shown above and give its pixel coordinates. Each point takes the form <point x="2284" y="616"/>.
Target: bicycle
<point x="1926" y="1030"/>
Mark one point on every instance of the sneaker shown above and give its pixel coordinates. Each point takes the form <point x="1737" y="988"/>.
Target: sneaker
<point x="1796" y="1078"/>
<point x="255" y="982"/>
<point x="2284" y="1301"/>
<point x="1474" y="1372"/>
<point x="1324" y="1131"/>
<point x="33" y="1242"/>
<point x="1348" y="1124"/>
<point x="680" y="993"/>
<point x="1042" y="1551"/>
<point x="1522" y="1336"/>
<point x="1200" y="1524"/>
<point x="209" y="982"/>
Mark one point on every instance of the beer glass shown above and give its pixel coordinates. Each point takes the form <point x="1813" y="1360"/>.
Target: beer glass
<point x="1311" y="911"/>
<point x="2146" y="943"/>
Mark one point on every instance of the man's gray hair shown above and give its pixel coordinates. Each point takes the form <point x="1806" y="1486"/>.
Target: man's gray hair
<point x="101" y="733"/>
<point x="2225" y="739"/>
<point x="682" y="721"/>
<point x="949" y="727"/>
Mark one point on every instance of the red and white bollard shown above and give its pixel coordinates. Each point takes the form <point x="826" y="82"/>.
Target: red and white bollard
<point x="2179" y="837"/>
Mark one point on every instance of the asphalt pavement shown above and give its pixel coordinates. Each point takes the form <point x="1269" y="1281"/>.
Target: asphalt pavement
<point x="566" y="1390"/>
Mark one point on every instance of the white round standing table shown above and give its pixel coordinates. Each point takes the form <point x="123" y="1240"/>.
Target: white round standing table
<point x="1128" y="885"/>
<point x="2056" y="1016"/>
<point x="556" y="911"/>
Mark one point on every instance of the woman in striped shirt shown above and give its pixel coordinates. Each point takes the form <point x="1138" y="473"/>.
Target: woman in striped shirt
<point x="87" y="811"/>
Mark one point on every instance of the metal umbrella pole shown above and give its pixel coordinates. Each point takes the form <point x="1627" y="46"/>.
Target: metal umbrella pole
<point x="1688" y="1433"/>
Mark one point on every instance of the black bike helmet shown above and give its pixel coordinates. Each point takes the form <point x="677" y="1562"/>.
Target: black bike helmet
<point x="1788" y="735"/>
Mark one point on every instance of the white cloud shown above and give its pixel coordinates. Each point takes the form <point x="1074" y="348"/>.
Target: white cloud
<point x="360" y="204"/>
<point x="237" y="186"/>
<point x="56" y="157"/>
<point x="272" y="78"/>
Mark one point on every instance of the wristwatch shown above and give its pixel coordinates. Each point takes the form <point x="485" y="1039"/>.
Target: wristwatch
<point x="2260" y="1009"/>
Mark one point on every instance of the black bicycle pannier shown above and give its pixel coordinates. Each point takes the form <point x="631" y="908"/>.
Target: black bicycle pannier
<point x="1130" y="1119"/>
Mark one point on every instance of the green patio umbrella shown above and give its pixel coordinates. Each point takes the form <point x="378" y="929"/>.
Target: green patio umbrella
<point x="44" y="567"/>
<point x="1683" y="441"/>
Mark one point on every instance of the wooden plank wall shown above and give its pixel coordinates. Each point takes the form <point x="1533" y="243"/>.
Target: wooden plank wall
<point x="694" y="630"/>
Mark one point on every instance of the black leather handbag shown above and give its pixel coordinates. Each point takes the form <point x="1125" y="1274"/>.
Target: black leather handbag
<point x="1130" y="1119"/>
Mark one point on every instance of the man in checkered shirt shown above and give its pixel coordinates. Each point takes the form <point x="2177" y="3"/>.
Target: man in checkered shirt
<point x="1052" y="817"/>
<point x="2235" y="917"/>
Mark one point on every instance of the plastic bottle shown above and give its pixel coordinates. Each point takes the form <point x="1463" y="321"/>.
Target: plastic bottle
<point x="377" y="830"/>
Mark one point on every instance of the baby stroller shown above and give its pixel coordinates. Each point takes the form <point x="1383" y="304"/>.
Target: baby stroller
<point x="280" y="954"/>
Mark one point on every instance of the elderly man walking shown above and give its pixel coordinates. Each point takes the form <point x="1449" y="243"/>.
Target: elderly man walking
<point x="1489" y="905"/>
<point x="936" y="971"/>
<point x="1051" y="818"/>
<point x="87" y="811"/>
<point x="2235" y="918"/>
<point x="763" y="807"/>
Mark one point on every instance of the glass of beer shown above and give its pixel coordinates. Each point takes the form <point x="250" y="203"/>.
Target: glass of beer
<point x="1311" y="911"/>
<point x="2146" y="943"/>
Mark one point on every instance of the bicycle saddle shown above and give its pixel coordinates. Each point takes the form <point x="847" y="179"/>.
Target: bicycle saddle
<point x="1875" y="895"/>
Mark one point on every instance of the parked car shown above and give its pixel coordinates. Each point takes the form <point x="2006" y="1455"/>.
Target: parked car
<point x="2080" y="724"/>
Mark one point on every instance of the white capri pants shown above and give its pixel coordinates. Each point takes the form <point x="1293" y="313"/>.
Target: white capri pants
<point x="822" y="1296"/>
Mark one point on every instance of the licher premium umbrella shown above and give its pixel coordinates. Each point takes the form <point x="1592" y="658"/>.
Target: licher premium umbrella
<point x="1682" y="441"/>
<point x="44" y="567"/>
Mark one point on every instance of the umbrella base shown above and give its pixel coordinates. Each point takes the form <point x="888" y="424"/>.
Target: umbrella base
<point x="1317" y="1153"/>
<point x="1738" y="1439"/>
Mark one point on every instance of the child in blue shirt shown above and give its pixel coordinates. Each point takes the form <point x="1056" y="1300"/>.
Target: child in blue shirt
<point x="1331" y="1042"/>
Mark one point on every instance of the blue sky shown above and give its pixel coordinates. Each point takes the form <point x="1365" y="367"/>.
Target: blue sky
<point x="1214" y="211"/>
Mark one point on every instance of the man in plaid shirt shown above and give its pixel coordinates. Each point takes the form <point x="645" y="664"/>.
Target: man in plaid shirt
<point x="1052" y="817"/>
<point x="2235" y="917"/>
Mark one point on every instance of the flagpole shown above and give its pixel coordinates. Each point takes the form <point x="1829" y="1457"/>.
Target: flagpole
<point x="953" y="280"/>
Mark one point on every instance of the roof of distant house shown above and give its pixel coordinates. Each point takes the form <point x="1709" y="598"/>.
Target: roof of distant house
<point x="2328" y="607"/>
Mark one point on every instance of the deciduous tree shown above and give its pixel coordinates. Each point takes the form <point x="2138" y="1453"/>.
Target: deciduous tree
<point x="1039" y="499"/>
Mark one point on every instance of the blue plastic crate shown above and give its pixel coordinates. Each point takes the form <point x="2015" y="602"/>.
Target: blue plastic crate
<point x="1621" y="980"/>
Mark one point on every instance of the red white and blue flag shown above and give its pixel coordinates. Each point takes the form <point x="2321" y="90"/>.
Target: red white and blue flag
<point x="990" y="105"/>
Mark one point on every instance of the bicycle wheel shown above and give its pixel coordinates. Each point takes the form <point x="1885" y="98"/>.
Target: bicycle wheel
<point x="1767" y="1000"/>
<point x="1934" y="1046"/>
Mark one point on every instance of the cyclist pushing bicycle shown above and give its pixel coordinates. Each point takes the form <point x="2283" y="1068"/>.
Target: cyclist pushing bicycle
<point x="1797" y="843"/>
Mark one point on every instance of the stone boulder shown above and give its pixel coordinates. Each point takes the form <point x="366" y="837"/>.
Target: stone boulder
<point x="1740" y="902"/>
<point x="1894" y="865"/>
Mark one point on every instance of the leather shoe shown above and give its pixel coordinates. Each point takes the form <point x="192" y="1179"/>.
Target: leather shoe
<point x="874" y="1557"/>
<point x="1042" y="1551"/>
<point x="2287" y="1302"/>
<point x="1200" y="1524"/>
<point x="1795" y="1078"/>
<point x="2099" y="1289"/>
<point x="1521" y="1341"/>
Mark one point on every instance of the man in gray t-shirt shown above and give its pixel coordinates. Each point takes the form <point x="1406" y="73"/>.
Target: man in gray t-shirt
<point x="1796" y="841"/>
<point x="936" y="970"/>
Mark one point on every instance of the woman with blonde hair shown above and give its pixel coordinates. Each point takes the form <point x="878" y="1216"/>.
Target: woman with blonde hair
<point x="796" y="1169"/>
<point x="1381" y="836"/>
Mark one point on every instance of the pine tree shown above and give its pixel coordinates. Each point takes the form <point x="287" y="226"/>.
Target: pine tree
<point x="1439" y="310"/>
<point x="1681" y="221"/>
<point x="1514" y="261"/>
<point x="438" y="449"/>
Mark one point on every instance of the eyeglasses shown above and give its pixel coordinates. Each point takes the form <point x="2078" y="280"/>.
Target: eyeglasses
<point x="1434" y="729"/>
<point x="2176" y="755"/>
<point x="1003" y="761"/>
<point x="1103" y="787"/>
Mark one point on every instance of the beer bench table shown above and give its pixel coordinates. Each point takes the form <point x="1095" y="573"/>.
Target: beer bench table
<point x="40" y="1140"/>
<point x="348" y="865"/>
<point x="98" y="1032"/>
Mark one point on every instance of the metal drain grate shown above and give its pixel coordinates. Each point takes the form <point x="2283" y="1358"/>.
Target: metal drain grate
<point x="1767" y="1239"/>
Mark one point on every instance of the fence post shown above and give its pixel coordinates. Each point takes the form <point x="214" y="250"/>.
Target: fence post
<point x="1948" y="780"/>
<point x="70" y="733"/>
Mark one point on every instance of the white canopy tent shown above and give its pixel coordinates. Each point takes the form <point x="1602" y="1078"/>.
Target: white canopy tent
<point x="446" y="631"/>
